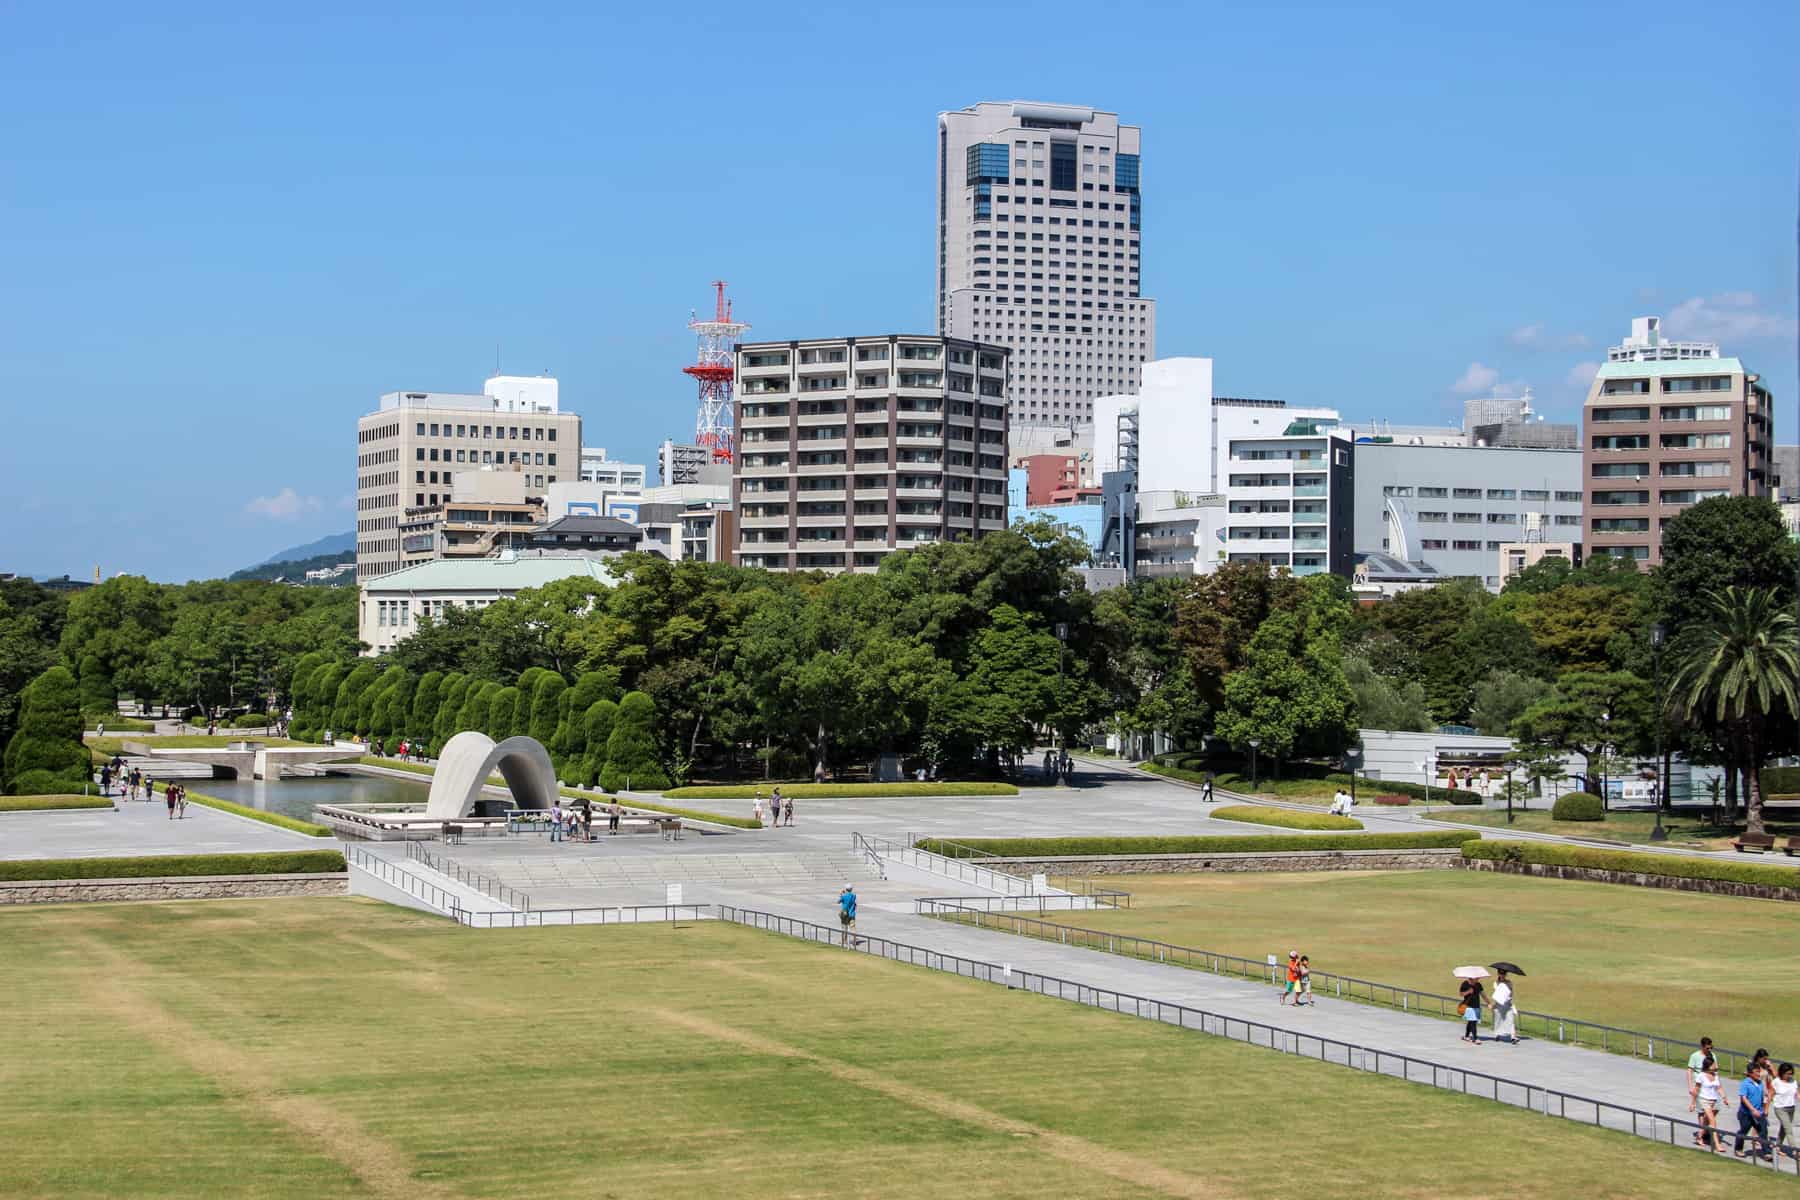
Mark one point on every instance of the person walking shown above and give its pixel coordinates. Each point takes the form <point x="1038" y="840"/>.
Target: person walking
<point x="1206" y="789"/>
<point x="170" y="796"/>
<point x="1290" y="991"/>
<point x="1305" y="997"/>
<point x="757" y="809"/>
<point x="1781" y="1102"/>
<point x="1698" y="1058"/>
<point x="1470" y="1008"/>
<point x="847" y="912"/>
<point x="556" y="821"/>
<point x="105" y="779"/>
<point x="775" y="808"/>
<point x="613" y="812"/>
<point x="1704" y="1095"/>
<point x="787" y="811"/>
<point x="1752" y="1115"/>
<point x="1506" y="1015"/>
<point x="181" y="802"/>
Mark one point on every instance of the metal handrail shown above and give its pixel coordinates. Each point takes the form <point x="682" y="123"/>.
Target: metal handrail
<point x="596" y="914"/>
<point x="392" y="874"/>
<point x="1079" y="884"/>
<point x="1042" y="901"/>
<point x="486" y="885"/>
<point x="859" y="842"/>
<point x="1570" y="1030"/>
<point x="1534" y="1097"/>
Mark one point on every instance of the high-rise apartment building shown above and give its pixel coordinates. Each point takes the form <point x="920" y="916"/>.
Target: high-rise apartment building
<point x="1668" y="424"/>
<point x="410" y="449"/>
<point x="850" y="448"/>
<point x="1039" y="235"/>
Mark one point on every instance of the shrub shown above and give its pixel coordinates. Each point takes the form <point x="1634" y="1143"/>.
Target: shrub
<point x="631" y="748"/>
<point x="43" y="783"/>
<point x="501" y="710"/>
<point x="1249" y="843"/>
<point x="1461" y="796"/>
<point x="1393" y="800"/>
<point x="820" y="791"/>
<point x="300" y="862"/>
<point x="1781" y="781"/>
<point x="1283" y="817"/>
<point x="257" y="814"/>
<point x="48" y="737"/>
<point x="690" y="813"/>
<point x="1577" y="806"/>
<point x="45" y="802"/>
<point x="1672" y="865"/>
<point x="251" y="721"/>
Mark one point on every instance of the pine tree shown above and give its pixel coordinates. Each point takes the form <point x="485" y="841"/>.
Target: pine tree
<point x="46" y="755"/>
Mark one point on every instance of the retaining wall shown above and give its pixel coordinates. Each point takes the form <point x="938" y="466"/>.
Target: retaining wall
<point x="186" y="887"/>
<point x="1710" y="887"/>
<point x="1447" y="858"/>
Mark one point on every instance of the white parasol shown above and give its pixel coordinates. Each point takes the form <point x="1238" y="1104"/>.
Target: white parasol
<point x="1470" y="972"/>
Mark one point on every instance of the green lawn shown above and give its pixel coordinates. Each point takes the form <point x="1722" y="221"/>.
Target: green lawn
<point x="1671" y="963"/>
<point x="1683" y="829"/>
<point x="341" y="1048"/>
<point x="47" y="803"/>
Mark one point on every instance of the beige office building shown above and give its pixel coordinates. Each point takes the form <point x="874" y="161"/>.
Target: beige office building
<point x="411" y="449"/>
<point x="850" y="448"/>
<point x="1666" y="425"/>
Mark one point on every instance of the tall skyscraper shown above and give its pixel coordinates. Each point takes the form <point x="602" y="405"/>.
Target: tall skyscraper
<point x="1039" y="225"/>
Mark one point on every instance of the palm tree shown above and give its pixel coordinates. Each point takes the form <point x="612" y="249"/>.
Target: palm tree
<point x="1739" y="667"/>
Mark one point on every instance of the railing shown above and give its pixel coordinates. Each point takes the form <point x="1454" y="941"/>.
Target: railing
<point x="955" y="866"/>
<point x="486" y="885"/>
<point x="859" y="842"/>
<point x="1080" y="885"/>
<point x="1549" y="1101"/>
<point x="394" y="875"/>
<point x="1042" y="902"/>
<point x="1652" y="1046"/>
<point x="609" y="914"/>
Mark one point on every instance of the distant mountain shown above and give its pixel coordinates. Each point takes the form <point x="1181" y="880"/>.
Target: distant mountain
<point x="343" y="544"/>
<point x="294" y="571"/>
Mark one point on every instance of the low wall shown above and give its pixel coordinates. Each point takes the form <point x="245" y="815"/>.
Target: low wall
<point x="184" y="887"/>
<point x="1448" y="858"/>
<point x="1710" y="887"/>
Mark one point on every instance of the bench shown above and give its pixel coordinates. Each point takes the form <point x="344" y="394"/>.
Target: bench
<point x="1756" y="843"/>
<point x="1791" y="847"/>
<point x="670" y="826"/>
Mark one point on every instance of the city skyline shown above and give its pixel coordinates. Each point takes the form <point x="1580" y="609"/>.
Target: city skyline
<point x="212" y="292"/>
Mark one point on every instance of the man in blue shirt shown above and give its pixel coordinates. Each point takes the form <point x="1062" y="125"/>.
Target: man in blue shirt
<point x="847" y="911"/>
<point x="1753" y="1114"/>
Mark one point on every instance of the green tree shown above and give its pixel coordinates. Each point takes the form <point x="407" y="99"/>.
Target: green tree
<point x="1587" y="712"/>
<point x="370" y="717"/>
<point x="421" y="718"/>
<point x="1291" y="694"/>
<point x="1727" y="541"/>
<point x="1738" y="667"/>
<point x="1502" y="698"/>
<point x="1384" y="704"/>
<point x="546" y="698"/>
<point x="631" y="748"/>
<point x="451" y="697"/>
<point x="97" y="692"/>
<point x="1011" y="689"/>
<point x="28" y="615"/>
<point x="501" y="708"/>
<point x="349" y="696"/>
<point x="46" y="755"/>
<point x="443" y="641"/>
<point x="596" y="731"/>
<point x="1575" y="625"/>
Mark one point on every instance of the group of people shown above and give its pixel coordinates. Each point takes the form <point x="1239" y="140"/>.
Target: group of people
<point x="1341" y="803"/>
<point x="1470" y="997"/>
<point x="780" y="811"/>
<point x="1766" y="1091"/>
<point x="576" y="822"/>
<point x="405" y="751"/>
<point x="1298" y="989"/>
<point x="134" y="784"/>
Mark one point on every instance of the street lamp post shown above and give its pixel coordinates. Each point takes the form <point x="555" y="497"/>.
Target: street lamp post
<point x="1509" y="795"/>
<point x="1062" y="645"/>
<point x="1658" y="632"/>
<point x="1254" y="743"/>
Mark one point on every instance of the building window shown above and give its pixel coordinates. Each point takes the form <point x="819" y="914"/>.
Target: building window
<point x="1700" y="383"/>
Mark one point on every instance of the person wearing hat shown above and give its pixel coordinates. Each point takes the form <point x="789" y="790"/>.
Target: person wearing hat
<point x="1292" y="990"/>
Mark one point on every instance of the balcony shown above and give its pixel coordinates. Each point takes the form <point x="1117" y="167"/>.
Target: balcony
<point x="1309" y="568"/>
<point x="1309" y="518"/>
<point x="1309" y="490"/>
<point x="1164" y="570"/>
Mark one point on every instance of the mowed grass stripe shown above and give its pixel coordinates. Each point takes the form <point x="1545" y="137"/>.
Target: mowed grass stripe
<point x="535" y="1063"/>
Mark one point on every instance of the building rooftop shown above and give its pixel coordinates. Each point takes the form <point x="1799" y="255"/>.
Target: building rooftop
<point x="504" y="572"/>
<point x="587" y="524"/>
<point x="1670" y="366"/>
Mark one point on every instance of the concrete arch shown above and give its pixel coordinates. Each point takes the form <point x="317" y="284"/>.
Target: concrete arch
<point x="470" y="757"/>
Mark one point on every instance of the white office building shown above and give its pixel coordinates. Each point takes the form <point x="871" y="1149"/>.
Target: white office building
<point x="1039" y="250"/>
<point x="1647" y="344"/>
<point x="597" y="468"/>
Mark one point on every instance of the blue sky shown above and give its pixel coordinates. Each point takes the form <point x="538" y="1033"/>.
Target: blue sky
<point x="223" y="234"/>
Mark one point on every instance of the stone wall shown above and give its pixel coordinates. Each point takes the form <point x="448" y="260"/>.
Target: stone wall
<point x="1710" y="887"/>
<point x="1448" y="858"/>
<point x="191" y="887"/>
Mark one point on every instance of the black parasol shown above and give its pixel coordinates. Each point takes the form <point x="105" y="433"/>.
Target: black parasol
<point x="1509" y="968"/>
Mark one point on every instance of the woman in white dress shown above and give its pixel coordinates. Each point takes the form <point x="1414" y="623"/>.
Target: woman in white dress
<point x="1506" y="1022"/>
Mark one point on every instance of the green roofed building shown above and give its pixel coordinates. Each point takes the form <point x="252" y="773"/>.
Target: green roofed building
<point x="390" y="605"/>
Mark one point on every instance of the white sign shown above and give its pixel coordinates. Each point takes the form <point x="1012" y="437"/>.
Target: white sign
<point x="1040" y="884"/>
<point x="674" y="896"/>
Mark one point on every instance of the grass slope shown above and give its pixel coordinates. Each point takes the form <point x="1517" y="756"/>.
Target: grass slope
<point x="174" y="1051"/>
<point x="47" y="803"/>
<point x="1286" y="818"/>
<point x="1634" y="827"/>
<point x="1672" y="963"/>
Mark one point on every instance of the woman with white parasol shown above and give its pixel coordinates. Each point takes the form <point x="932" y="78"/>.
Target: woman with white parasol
<point x="1469" y="1001"/>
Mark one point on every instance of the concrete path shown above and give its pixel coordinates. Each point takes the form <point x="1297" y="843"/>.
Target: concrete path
<point x="136" y="827"/>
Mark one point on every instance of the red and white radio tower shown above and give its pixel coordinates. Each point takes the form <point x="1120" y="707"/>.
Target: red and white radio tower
<point x="713" y="369"/>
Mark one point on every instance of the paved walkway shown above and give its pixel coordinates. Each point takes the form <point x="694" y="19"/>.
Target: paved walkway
<point x="136" y="827"/>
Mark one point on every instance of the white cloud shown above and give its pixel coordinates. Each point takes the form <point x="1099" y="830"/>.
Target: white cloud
<point x="1478" y="378"/>
<point x="284" y="505"/>
<point x="1536" y="337"/>
<point x="1581" y="376"/>
<point x="1726" y="318"/>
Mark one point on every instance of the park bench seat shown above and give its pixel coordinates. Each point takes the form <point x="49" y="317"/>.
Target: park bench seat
<point x="1755" y="843"/>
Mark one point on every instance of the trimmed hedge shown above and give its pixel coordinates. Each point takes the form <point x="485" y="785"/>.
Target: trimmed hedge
<point x="251" y="721"/>
<point x="301" y="862"/>
<point x="47" y="803"/>
<point x="1394" y="801"/>
<point x="1556" y="854"/>
<point x="1780" y="781"/>
<point x="1248" y="844"/>
<point x="1577" y="806"/>
<point x="118" y="724"/>
<point x="1191" y="768"/>
<point x="841" y="791"/>
<point x="257" y="814"/>
<point x="692" y="813"/>
<point x="1285" y="818"/>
